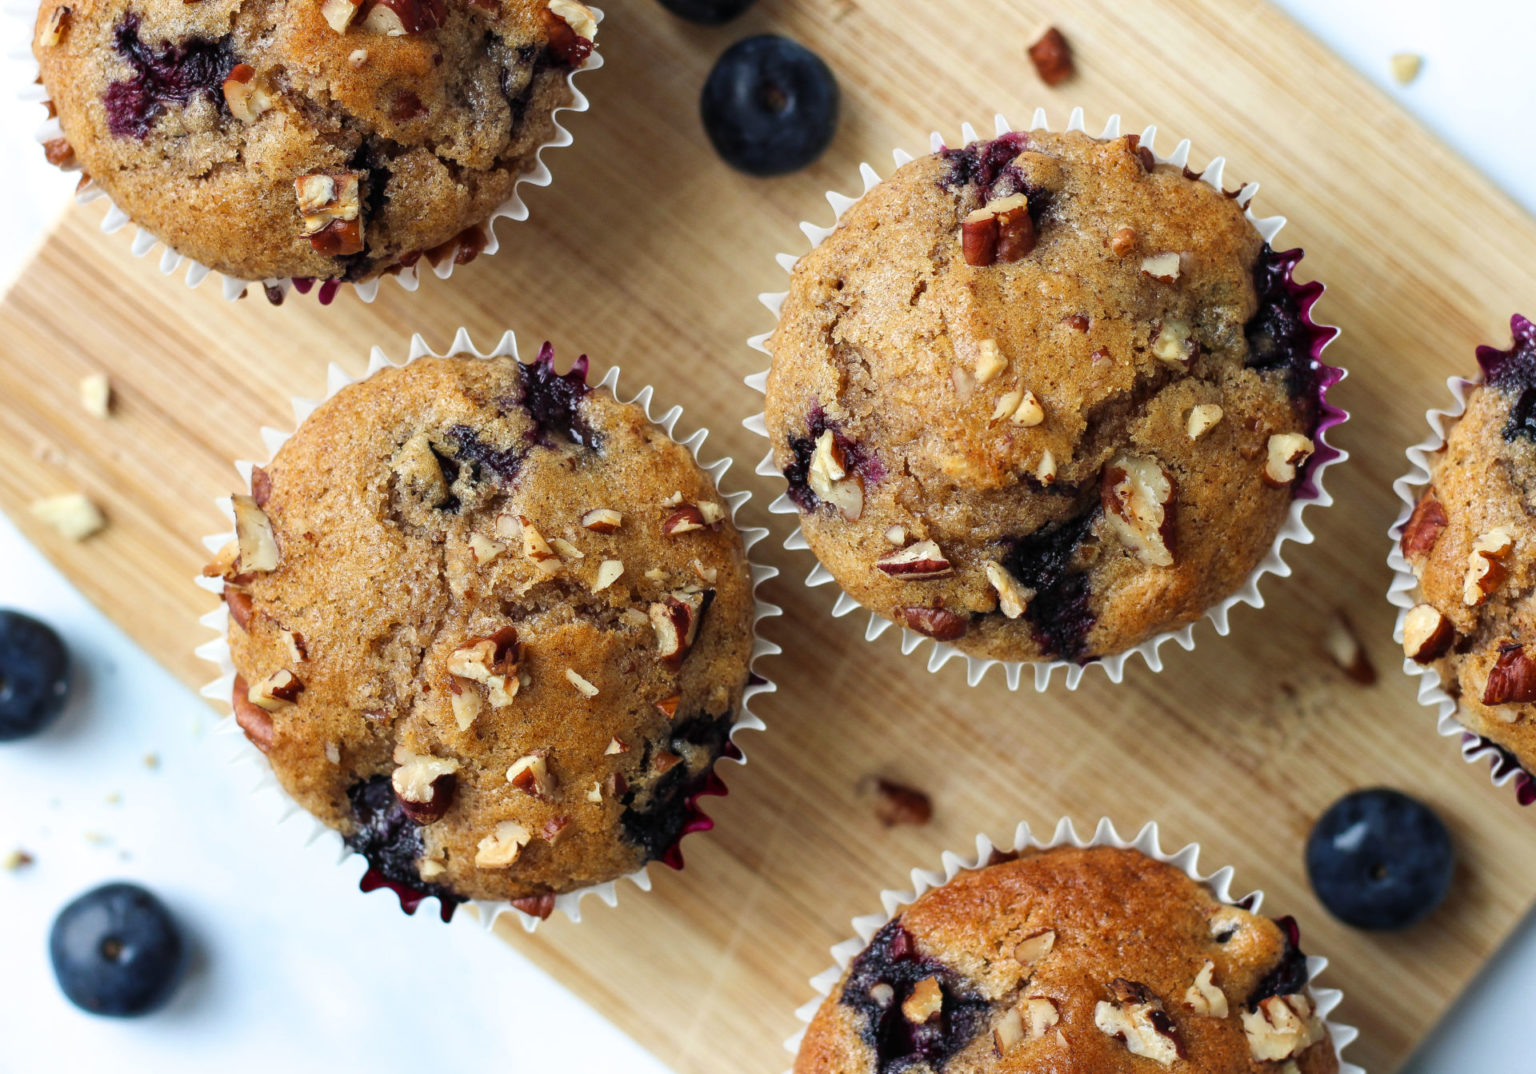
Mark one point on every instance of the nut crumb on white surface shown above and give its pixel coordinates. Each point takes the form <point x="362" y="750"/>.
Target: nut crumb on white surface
<point x="1406" y="67"/>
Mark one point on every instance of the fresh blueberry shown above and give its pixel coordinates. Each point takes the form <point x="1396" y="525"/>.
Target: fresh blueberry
<point x="34" y="675"/>
<point x="769" y="105"/>
<point x="1378" y="859"/>
<point x="707" y="12"/>
<point x="116" y="951"/>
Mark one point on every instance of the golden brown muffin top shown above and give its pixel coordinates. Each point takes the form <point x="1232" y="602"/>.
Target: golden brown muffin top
<point x="492" y="625"/>
<point x="325" y="139"/>
<point x="1041" y="397"/>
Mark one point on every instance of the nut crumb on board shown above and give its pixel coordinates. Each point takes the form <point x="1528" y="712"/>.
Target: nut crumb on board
<point x="1052" y="57"/>
<point x="96" y="395"/>
<point x="72" y="514"/>
<point x="1344" y="648"/>
<point x="897" y="803"/>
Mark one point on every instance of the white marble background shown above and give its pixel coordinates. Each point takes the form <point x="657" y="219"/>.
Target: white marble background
<point x="309" y="976"/>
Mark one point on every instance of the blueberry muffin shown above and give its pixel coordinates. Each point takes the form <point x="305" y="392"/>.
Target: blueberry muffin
<point x="1472" y="549"/>
<point x="1043" y="397"/>
<point x="1093" y="960"/>
<point x="490" y="624"/>
<point x="332" y="139"/>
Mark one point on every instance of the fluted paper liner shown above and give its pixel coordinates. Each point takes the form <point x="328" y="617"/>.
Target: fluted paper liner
<point x="1403" y="595"/>
<point x="217" y="651"/>
<point x="409" y="278"/>
<point x="1309" y="486"/>
<point x="1186" y="859"/>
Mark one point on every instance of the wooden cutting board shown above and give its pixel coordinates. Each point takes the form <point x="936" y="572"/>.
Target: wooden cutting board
<point x="649" y="253"/>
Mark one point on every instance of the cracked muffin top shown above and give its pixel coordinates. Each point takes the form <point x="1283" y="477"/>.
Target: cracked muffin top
<point x="492" y="625"/>
<point x="1042" y="397"/>
<point x="1097" y="961"/>
<point x="330" y="140"/>
<point x="1471" y="545"/>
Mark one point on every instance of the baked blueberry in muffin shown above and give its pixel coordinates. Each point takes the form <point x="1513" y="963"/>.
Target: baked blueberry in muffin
<point x="332" y="140"/>
<point x="490" y="624"/>
<point x="1043" y="397"/>
<point x="1086" y="960"/>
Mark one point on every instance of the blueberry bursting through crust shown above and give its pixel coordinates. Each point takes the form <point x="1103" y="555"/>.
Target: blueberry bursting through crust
<point x="1279" y="336"/>
<point x="880" y="982"/>
<point x="885" y="976"/>
<point x="1514" y="371"/>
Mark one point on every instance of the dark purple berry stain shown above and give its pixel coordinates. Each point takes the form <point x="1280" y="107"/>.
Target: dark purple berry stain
<point x="671" y="810"/>
<point x="1514" y="370"/>
<point x="488" y="461"/>
<point x="1059" y="614"/>
<point x="1280" y="335"/>
<point x="1515" y="367"/>
<point x="173" y="74"/>
<point x="553" y="400"/>
<point x="392" y="844"/>
<point x="891" y="959"/>
<point x="1290" y="974"/>
<point x="988" y="166"/>
<point x="798" y="472"/>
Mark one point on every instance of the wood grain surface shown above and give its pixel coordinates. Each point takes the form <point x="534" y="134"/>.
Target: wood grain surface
<point x="648" y="253"/>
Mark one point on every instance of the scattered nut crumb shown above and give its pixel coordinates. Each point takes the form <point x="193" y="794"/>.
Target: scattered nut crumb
<point x="16" y="860"/>
<point x="990" y="361"/>
<point x="73" y="515"/>
<point x="1052" y="57"/>
<point x="1202" y="419"/>
<point x="1406" y="66"/>
<point x="608" y="572"/>
<point x="152" y="761"/>
<point x="95" y="838"/>
<point x="896" y="803"/>
<point x="115" y="798"/>
<point x="583" y="687"/>
<point x="96" y="395"/>
<point x="358" y="57"/>
<point x="1162" y="267"/>
<point x="1344" y="649"/>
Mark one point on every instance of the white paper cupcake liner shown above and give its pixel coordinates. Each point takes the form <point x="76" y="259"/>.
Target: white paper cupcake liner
<point x="276" y="289"/>
<point x="1104" y="834"/>
<point x="1403" y="594"/>
<point x="217" y="651"/>
<point x="1310" y="490"/>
